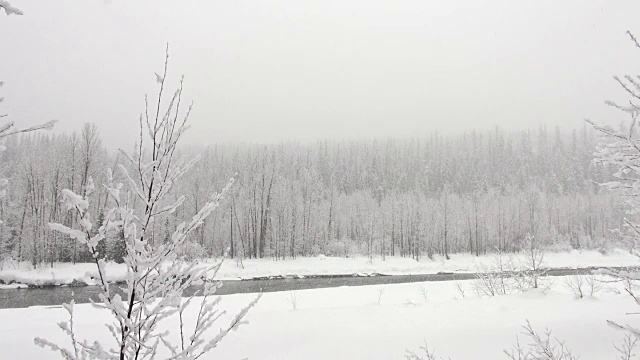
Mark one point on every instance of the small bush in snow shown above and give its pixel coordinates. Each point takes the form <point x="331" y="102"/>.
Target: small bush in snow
<point x="424" y="293"/>
<point x="540" y="347"/>
<point x="562" y="245"/>
<point x="409" y="302"/>
<point x="627" y="349"/>
<point x="629" y="283"/>
<point x="192" y="251"/>
<point x="496" y="278"/>
<point x="583" y="285"/>
<point x="532" y="263"/>
<point x="315" y="250"/>
<point x="594" y="285"/>
<point x="380" y="293"/>
<point x="292" y="298"/>
<point x="576" y="285"/>
<point x="423" y="354"/>
<point x="460" y="288"/>
<point x="337" y="248"/>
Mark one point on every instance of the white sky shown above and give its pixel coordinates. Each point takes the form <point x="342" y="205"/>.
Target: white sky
<point x="278" y="70"/>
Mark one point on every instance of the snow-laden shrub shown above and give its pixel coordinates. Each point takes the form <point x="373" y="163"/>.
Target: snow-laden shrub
<point x="531" y="272"/>
<point x="627" y="349"/>
<point x="380" y="293"/>
<point x="604" y="246"/>
<point x="507" y="273"/>
<point x="583" y="285"/>
<point x="563" y="244"/>
<point x="586" y="242"/>
<point x="293" y="298"/>
<point x="539" y="347"/>
<point x="353" y="249"/>
<point x="315" y="250"/>
<point x="496" y="278"/>
<point x="423" y="354"/>
<point x="192" y="251"/>
<point x="337" y="248"/>
<point x="430" y="253"/>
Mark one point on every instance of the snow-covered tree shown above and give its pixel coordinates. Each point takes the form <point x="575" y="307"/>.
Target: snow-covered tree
<point x="310" y="212"/>
<point x="532" y="262"/>
<point x="620" y="152"/>
<point x="156" y="277"/>
<point x="8" y="130"/>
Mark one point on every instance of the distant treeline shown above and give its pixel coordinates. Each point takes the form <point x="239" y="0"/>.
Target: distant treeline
<point x="474" y="192"/>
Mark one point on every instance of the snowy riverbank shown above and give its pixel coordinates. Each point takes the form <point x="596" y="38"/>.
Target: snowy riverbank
<point x="85" y="274"/>
<point x="350" y="323"/>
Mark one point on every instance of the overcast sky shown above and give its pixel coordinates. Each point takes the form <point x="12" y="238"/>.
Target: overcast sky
<point x="278" y="70"/>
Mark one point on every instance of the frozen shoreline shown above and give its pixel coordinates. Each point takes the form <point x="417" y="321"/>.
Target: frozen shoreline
<point x="85" y="273"/>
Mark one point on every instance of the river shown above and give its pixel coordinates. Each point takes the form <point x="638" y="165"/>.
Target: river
<point x="52" y="296"/>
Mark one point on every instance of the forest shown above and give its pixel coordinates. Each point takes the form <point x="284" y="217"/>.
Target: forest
<point x="474" y="192"/>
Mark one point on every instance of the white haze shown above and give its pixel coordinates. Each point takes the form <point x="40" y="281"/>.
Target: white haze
<point x="264" y="71"/>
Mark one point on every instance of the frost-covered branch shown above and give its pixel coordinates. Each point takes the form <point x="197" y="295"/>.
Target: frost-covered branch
<point x="156" y="277"/>
<point x="8" y="129"/>
<point x="9" y="9"/>
<point x="423" y="354"/>
<point x="627" y="349"/>
<point x="620" y="150"/>
<point x="540" y="347"/>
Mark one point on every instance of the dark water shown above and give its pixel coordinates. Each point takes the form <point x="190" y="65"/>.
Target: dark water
<point x="20" y="298"/>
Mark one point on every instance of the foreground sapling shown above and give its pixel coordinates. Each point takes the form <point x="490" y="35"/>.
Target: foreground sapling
<point x="156" y="276"/>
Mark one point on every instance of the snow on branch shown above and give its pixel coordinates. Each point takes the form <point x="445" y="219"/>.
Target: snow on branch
<point x="156" y="277"/>
<point x="620" y="151"/>
<point x="8" y="9"/>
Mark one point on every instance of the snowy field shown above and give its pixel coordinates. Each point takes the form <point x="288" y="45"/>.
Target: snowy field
<point x="62" y="274"/>
<point x="349" y="323"/>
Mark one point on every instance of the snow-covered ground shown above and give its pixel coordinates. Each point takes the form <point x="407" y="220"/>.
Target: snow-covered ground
<point x="349" y="323"/>
<point x="62" y="274"/>
<point x="407" y="266"/>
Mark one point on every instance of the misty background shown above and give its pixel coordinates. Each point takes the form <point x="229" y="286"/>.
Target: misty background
<point x="267" y="71"/>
